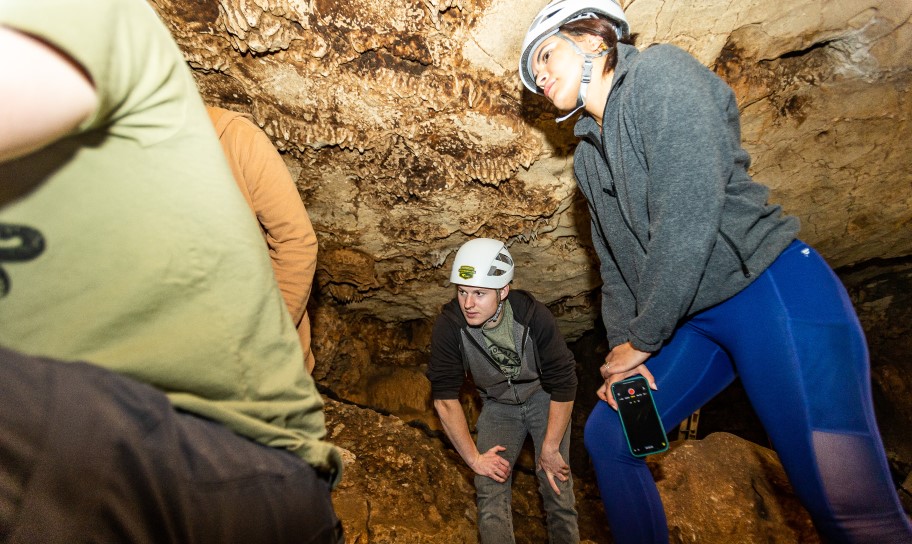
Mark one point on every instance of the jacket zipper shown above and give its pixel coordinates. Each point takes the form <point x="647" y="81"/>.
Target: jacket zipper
<point x="627" y="221"/>
<point x="613" y="192"/>
<point x="487" y="355"/>
<point x="493" y="363"/>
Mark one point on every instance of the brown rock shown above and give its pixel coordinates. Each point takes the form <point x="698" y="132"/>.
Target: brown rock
<point x="403" y="485"/>
<point x="409" y="132"/>
<point x="723" y="489"/>
<point x="399" y="485"/>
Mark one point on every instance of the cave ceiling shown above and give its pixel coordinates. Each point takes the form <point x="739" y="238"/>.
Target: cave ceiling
<point x="407" y="130"/>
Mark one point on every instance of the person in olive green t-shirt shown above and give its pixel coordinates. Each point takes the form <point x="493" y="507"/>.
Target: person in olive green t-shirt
<point x="128" y="246"/>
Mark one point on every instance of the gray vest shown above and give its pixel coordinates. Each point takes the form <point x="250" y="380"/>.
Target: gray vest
<point x="488" y="378"/>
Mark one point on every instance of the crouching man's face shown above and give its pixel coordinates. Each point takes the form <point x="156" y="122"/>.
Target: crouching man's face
<point x="478" y="304"/>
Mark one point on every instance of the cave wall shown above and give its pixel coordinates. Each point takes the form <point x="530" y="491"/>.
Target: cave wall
<point x="407" y="130"/>
<point x="882" y="294"/>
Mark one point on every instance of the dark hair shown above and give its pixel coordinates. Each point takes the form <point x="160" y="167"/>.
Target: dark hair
<point x="604" y="29"/>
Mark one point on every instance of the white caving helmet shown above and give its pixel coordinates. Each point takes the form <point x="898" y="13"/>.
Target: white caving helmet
<point x="548" y="22"/>
<point x="482" y="262"/>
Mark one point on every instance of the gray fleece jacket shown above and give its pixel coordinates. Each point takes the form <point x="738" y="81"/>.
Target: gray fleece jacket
<point x="677" y="222"/>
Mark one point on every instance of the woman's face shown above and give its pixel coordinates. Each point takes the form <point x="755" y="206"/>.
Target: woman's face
<point x="557" y="69"/>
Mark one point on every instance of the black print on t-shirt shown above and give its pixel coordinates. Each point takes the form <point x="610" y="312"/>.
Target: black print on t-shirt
<point x="18" y="243"/>
<point x="507" y="360"/>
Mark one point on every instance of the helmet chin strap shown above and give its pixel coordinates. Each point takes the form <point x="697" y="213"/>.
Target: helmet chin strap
<point x="587" y="74"/>
<point x="496" y="316"/>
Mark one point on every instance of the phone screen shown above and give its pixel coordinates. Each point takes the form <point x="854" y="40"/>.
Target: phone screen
<point x="639" y="417"/>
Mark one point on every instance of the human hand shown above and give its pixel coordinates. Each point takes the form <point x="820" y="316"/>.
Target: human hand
<point x="623" y="358"/>
<point x="552" y="462"/>
<point x="492" y="465"/>
<point x="621" y="363"/>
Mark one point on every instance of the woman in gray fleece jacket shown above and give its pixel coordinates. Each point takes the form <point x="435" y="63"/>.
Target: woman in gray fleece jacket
<point x="703" y="280"/>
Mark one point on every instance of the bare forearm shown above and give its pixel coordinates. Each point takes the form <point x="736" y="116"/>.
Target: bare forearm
<point x="457" y="429"/>
<point x="558" y="420"/>
<point x="43" y="94"/>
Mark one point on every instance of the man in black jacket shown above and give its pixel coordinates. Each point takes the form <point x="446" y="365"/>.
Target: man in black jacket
<point x="526" y="377"/>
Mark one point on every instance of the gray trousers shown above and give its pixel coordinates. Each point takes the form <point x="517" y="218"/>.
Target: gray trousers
<point x="88" y="455"/>
<point x="508" y="425"/>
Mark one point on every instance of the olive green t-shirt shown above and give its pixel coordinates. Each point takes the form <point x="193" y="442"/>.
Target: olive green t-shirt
<point x="501" y="344"/>
<point x="152" y="265"/>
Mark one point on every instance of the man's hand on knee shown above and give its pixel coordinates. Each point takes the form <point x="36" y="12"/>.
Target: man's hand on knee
<point x="492" y="465"/>
<point x="552" y="462"/>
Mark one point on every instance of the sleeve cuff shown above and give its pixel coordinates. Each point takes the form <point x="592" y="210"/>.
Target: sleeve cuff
<point x="643" y="345"/>
<point x="445" y="395"/>
<point x="564" y="395"/>
<point x="616" y="341"/>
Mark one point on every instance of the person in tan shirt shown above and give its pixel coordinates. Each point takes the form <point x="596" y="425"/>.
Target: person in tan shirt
<point x="273" y="197"/>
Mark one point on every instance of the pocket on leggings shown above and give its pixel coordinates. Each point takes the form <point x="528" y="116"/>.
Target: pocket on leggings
<point x="834" y="370"/>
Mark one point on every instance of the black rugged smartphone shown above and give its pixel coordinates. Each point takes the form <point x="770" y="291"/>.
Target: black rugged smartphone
<point x="639" y="416"/>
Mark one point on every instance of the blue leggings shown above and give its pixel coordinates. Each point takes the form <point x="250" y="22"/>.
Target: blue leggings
<point x="794" y="339"/>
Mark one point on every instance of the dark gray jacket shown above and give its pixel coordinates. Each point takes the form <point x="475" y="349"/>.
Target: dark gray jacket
<point x="547" y="363"/>
<point x="677" y="222"/>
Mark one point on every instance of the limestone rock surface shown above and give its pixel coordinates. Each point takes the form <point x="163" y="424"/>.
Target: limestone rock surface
<point x="408" y="132"/>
